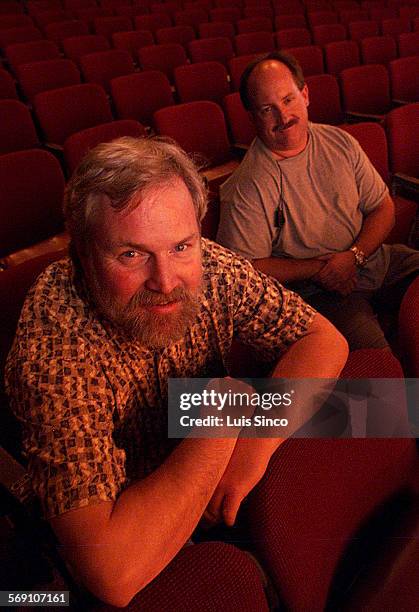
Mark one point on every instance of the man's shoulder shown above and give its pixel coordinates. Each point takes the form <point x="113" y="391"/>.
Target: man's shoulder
<point x="217" y="258"/>
<point x="255" y="168"/>
<point x="54" y="297"/>
<point x="329" y="134"/>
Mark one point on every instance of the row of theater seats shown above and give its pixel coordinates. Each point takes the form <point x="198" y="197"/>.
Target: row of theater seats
<point x="146" y="97"/>
<point x="160" y="15"/>
<point x="367" y="89"/>
<point x="90" y="58"/>
<point x="158" y="28"/>
<point x="199" y="127"/>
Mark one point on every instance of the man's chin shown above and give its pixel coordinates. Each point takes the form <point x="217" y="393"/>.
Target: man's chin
<point x="157" y="327"/>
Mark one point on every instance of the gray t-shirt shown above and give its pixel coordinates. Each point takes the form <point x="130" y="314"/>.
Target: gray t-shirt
<point x="305" y="206"/>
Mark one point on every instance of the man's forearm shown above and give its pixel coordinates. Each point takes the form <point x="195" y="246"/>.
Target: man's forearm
<point x="118" y="548"/>
<point x="376" y="227"/>
<point x="288" y="270"/>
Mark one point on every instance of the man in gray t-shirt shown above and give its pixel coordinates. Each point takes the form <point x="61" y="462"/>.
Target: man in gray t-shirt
<point x="307" y="206"/>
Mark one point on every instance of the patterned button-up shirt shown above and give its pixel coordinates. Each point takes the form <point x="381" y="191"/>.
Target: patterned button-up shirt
<point x="94" y="405"/>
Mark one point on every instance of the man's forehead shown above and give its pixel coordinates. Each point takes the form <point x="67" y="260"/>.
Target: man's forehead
<point x="268" y="72"/>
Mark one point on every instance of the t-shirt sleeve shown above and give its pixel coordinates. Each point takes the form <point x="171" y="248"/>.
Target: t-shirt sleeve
<point x="267" y="316"/>
<point x="61" y="395"/>
<point x="371" y="187"/>
<point x="247" y="216"/>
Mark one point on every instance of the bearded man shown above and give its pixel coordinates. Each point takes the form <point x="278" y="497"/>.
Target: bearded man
<point x="143" y="298"/>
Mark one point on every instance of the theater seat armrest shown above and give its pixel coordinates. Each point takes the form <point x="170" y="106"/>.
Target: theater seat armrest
<point x="355" y="117"/>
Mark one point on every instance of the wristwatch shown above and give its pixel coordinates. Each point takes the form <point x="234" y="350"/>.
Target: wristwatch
<point x="360" y="257"/>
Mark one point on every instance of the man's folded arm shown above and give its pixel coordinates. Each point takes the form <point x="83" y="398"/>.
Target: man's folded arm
<point x="286" y="269"/>
<point x="117" y="548"/>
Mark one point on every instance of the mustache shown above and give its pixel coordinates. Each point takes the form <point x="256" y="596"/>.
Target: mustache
<point x="145" y="297"/>
<point x="284" y="126"/>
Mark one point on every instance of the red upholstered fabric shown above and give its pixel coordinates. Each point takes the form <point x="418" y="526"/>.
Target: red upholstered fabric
<point x="395" y="26"/>
<point x="372" y="363"/>
<point x="283" y="22"/>
<point x="77" y="145"/>
<point x="106" y="26"/>
<point x="254" y="24"/>
<point x="330" y="32"/>
<point x="17" y="130"/>
<point x="131" y="41"/>
<point x="317" y="18"/>
<point x="217" y="49"/>
<point x="372" y="138"/>
<point x="47" y="74"/>
<point x="408" y="44"/>
<point x="76" y="46"/>
<point x="140" y="95"/>
<point x="302" y="517"/>
<point x="236" y="66"/>
<point x="293" y="37"/>
<point x="378" y="49"/>
<point x="254" y="42"/>
<point x="30" y="208"/>
<point x="241" y="128"/>
<point x="35" y="51"/>
<point x="7" y="86"/>
<point x="153" y="22"/>
<point x="231" y="14"/>
<point x="15" y="20"/>
<point x="362" y="29"/>
<point x="402" y="128"/>
<point x="63" y="29"/>
<point x="182" y="35"/>
<point x="216" y="29"/>
<point x="207" y="577"/>
<point x="12" y="36"/>
<point x="199" y="127"/>
<point x="310" y="59"/>
<point x="165" y="57"/>
<point x="202" y="81"/>
<point x="191" y="17"/>
<point x="103" y="66"/>
<point x="325" y="106"/>
<point x="62" y="112"/>
<point x="409" y="328"/>
<point x="366" y="89"/>
<point x="43" y="18"/>
<point x="340" y="55"/>
<point x="404" y="78"/>
<point x="348" y="16"/>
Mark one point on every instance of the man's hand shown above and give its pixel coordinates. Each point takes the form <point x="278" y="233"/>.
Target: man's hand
<point x="339" y="272"/>
<point x="246" y="467"/>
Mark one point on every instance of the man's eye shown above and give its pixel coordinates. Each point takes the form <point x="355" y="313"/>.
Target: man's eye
<point x="181" y="248"/>
<point x="129" y="254"/>
<point x="266" y="110"/>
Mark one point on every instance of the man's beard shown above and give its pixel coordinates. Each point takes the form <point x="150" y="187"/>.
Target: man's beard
<point x="151" y="329"/>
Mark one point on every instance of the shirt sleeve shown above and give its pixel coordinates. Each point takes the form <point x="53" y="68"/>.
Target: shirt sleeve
<point x="371" y="187"/>
<point x="249" y="199"/>
<point x="265" y="315"/>
<point x="62" y="398"/>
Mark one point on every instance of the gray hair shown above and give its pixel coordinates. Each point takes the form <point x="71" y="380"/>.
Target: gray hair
<point x="120" y="169"/>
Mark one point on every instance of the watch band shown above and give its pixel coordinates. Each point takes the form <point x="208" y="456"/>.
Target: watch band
<point x="360" y="257"/>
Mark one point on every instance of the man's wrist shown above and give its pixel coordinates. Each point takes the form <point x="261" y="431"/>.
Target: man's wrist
<point x="360" y="258"/>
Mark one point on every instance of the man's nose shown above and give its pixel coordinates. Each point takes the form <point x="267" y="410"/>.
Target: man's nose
<point x="281" y="115"/>
<point x="162" y="276"/>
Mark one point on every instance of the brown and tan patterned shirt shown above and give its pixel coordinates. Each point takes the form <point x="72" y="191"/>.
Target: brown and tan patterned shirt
<point x="94" y="405"/>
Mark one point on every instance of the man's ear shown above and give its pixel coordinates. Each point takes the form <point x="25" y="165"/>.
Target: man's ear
<point x="305" y="94"/>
